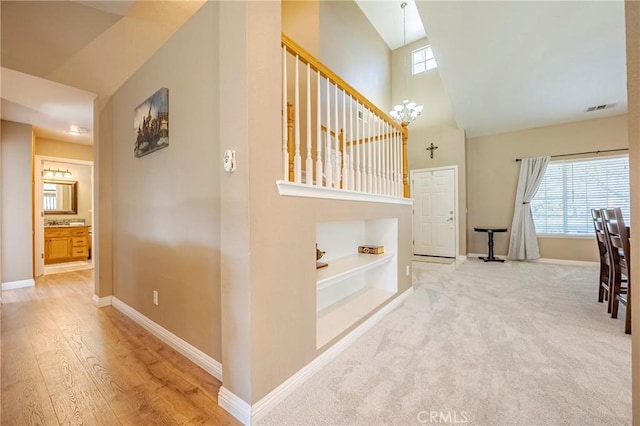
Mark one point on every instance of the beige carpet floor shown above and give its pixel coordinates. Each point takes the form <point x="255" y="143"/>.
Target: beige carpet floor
<point x="486" y="344"/>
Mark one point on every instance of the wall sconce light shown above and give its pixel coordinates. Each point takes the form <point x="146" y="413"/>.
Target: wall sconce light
<point x="57" y="173"/>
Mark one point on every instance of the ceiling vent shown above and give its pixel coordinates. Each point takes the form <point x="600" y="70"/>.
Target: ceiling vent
<point x="599" y="107"/>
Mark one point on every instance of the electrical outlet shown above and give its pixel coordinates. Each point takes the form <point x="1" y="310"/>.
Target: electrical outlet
<point x="155" y="297"/>
<point x="408" y="270"/>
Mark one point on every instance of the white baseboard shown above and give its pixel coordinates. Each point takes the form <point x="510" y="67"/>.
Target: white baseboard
<point x="235" y="405"/>
<point x="198" y="357"/>
<point x="567" y="262"/>
<point x="12" y="285"/>
<point x="101" y="302"/>
<point x="67" y="267"/>
<point x="542" y="260"/>
<point x="269" y="401"/>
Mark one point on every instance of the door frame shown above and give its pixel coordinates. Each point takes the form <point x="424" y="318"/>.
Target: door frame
<point x="38" y="213"/>
<point x="455" y="203"/>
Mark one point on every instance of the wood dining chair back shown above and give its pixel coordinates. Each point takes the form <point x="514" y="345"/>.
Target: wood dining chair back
<point x="620" y="258"/>
<point x="604" y="290"/>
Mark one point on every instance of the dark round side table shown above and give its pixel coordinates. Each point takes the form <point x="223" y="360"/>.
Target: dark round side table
<point x="490" y="230"/>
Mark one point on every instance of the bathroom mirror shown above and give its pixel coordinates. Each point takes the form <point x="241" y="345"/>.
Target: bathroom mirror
<point x="60" y="197"/>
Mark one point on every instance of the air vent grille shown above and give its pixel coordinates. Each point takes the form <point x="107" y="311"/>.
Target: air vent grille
<point x="599" y="107"/>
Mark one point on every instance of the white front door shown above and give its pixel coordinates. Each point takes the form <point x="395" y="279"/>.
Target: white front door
<point x="434" y="221"/>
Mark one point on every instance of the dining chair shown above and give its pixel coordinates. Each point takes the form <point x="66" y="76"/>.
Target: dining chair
<point x="620" y="257"/>
<point x="604" y="289"/>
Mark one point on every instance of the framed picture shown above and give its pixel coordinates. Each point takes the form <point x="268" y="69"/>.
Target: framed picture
<point x="151" y="123"/>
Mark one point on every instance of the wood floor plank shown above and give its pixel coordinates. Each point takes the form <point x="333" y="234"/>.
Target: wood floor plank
<point x="77" y="402"/>
<point x="96" y="368"/>
<point x="181" y="383"/>
<point x="27" y="403"/>
<point x="192" y="402"/>
<point x="137" y="340"/>
<point x="75" y="397"/>
<point x="145" y="344"/>
<point x="145" y="406"/>
<point x="18" y="360"/>
<point x="65" y="361"/>
<point x="132" y="368"/>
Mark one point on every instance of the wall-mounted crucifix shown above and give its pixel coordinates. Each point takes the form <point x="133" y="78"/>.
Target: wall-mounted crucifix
<point x="431" y="148"/>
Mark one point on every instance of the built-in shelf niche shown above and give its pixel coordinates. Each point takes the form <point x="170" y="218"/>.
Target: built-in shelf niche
<point x="353" y="284"/>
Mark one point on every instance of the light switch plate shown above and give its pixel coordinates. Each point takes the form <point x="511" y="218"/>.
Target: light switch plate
<point x="229" y="160"/>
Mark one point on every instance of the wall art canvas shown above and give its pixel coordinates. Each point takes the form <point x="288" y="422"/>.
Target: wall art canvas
<point x="151" y="123"/>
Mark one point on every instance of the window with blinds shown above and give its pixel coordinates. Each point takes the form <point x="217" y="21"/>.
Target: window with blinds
<point x="570" y="189"/>
<point x="50" y="196"/>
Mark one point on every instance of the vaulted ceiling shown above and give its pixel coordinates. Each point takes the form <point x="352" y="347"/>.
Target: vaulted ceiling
<point x="511" y="65"/>
<point x="396" y="25"/>
<point x="505" y="65"/>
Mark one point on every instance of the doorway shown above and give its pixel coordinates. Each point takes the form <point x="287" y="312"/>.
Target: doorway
<point x="81" y="174"/>
<point x="435" y="211"/>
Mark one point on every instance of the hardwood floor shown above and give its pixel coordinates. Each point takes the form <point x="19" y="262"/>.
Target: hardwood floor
<point x="65" y="361"/>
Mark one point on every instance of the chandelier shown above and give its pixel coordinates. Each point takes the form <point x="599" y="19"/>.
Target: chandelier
<point x="406" y="111"/>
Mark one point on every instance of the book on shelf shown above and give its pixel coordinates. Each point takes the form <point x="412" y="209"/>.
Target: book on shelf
<point x="369" y="249"/>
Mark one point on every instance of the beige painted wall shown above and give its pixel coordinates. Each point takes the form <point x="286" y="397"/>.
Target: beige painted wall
<point x="1" y="209"/>
<point x="282" y="235"/>
<point x="492" y="177"/>
<point x="235" y="65"/>
<point x="436" y="125"/>
<point x="354" y="50"/>
<point x="451" y="152"/>
<point x="301" y="22"/>
<point x="426" y="89"/>
<point x="340" y="36"/>
<point x="81" y="173"/>
<point x="166" y="206"/>
<point x="60" y="149"/>
<point x="268" y="263"/>
<point x="284" y="274"/>
<point x="16" y="201"/>
<point x="632" y="12"/>
<point x="103" y="200"/>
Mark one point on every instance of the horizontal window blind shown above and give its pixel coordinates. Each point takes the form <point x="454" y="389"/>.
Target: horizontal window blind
<point x="570" y="189"/>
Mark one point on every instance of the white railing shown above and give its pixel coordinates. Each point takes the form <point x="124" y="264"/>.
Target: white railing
<point x="334" y="137"/>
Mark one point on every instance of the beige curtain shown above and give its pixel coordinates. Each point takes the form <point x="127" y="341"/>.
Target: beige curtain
<point x="523" y="244"/>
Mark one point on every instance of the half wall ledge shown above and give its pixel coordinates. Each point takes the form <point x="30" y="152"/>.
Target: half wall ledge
<point x="293" y="189"/>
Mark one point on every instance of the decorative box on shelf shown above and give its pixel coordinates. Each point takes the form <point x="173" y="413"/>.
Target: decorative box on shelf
<point x="371" y="249"/>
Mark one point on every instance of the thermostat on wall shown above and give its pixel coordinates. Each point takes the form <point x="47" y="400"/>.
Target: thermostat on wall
<point x="229" y="160"/>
